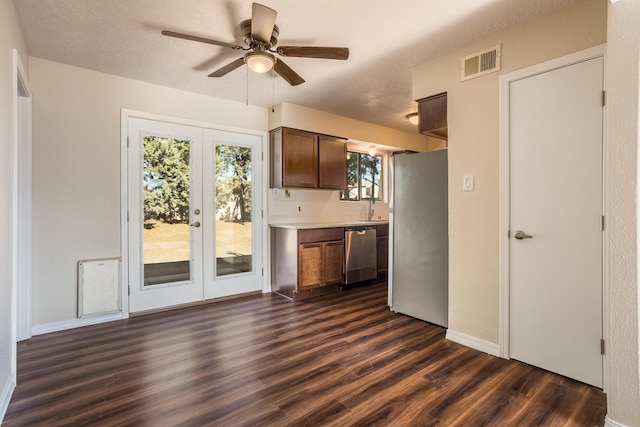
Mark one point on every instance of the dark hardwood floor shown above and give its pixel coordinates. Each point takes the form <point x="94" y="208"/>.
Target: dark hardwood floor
<point x="337" y="360"/>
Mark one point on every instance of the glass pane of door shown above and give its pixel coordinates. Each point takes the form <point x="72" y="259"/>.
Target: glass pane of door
<point x="233" y="209"/>
<point x="166" y="199"/>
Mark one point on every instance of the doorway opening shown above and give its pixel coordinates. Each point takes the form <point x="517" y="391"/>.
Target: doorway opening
<point x="22" y="200"/>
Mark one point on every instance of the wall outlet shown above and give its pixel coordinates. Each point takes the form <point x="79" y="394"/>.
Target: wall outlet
<point x="280" y="193"/>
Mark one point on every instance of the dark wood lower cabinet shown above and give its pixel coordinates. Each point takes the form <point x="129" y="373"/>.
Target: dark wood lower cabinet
<point x="320" y="264"/>
<point x="333" y="253"/>
<point x="310" y="262"/>
<point x="310" y="266"/>
<point x="307" y="262"/>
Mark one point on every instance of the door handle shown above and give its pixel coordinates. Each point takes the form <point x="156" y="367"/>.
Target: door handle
<point x="522" y="235"/>
<point x="195" y="224"/>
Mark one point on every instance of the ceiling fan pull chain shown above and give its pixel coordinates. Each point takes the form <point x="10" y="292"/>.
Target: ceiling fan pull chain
<point x="247" y="67"/>
<point x="273" y="91"/>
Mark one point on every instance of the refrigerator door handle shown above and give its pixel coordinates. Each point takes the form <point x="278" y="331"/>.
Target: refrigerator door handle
<point x="391" y="184"/>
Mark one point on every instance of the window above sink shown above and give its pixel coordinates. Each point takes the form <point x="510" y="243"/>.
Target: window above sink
<point x="364" y="177"/>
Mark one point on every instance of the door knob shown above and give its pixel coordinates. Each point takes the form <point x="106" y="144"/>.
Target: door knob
<point x="195" y="224"/>
<point x="522" y="235"/>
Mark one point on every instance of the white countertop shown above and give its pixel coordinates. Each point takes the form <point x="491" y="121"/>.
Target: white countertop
<point x="332" y="224"/>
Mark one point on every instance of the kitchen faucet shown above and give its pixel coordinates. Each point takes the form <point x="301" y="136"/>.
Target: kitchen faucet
<point x="371" y="203"/>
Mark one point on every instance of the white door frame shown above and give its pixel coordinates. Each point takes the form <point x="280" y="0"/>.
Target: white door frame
<point x="22" y="121"/>
<point x="504" y="220"/>
<point x="124" y="190"/>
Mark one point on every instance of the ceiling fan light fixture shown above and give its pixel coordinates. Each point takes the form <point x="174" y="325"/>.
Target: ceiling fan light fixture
<point x="413" y="118"/>
<point x="260" y="62"/>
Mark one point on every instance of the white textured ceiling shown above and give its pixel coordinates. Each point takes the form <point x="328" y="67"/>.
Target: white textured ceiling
<point x="386" y="38"/>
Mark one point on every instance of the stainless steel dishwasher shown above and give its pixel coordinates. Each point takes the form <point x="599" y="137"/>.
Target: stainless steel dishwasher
<point x="360" y="254"/>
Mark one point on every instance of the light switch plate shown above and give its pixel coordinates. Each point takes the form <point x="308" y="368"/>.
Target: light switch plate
<point x="467" y="183"/>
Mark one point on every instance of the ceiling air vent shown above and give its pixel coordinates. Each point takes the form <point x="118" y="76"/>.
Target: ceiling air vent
<point x="480" y="63"/>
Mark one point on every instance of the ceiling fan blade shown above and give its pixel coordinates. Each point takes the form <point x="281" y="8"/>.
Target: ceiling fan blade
<point x="314" y="52"/>
<point x="228" y="68"/>
<point x="262" y="21"/>
<point x="287" y="73"/>
<point x="214" y="60"/>
<point x="199" y="39"/>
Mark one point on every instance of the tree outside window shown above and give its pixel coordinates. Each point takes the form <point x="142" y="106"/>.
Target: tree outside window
<point x="166" y="180"/>
<point x="364" y="177"/>
<point x="233" y="183"/>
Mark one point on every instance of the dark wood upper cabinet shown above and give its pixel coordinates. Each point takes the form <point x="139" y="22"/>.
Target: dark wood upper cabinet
<point x="301" y="159"/>
<point x="332" y="168"/>
<point x="295" y="158"/>
<point x="433" y="116"/>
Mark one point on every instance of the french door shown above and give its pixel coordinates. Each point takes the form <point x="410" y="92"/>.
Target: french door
<point x="192" y="195"/>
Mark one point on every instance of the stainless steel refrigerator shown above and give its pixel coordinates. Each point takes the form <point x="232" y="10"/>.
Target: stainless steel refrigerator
<point x="419" y="236"/>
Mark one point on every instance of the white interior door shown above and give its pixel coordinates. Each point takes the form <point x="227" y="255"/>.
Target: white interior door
<point x="195" y="213"/>
<point x="556" y="199"/>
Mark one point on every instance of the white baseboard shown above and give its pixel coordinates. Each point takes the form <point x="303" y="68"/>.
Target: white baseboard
<point x="473" y="342"/>
<point x="76" y="323"/>
<point x="608" y="422"/>
<point x="5" y="397"/>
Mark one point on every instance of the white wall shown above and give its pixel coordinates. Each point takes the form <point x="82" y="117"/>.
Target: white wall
<point x="10" y="38"/>
<point x="318" y="206"/>
<point x="623" y="93"/>
<point x="473" y="119"/>
<point x="76" y="168"/>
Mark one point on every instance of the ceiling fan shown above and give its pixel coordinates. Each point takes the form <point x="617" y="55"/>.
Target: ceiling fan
<point x="261" y="36"/>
